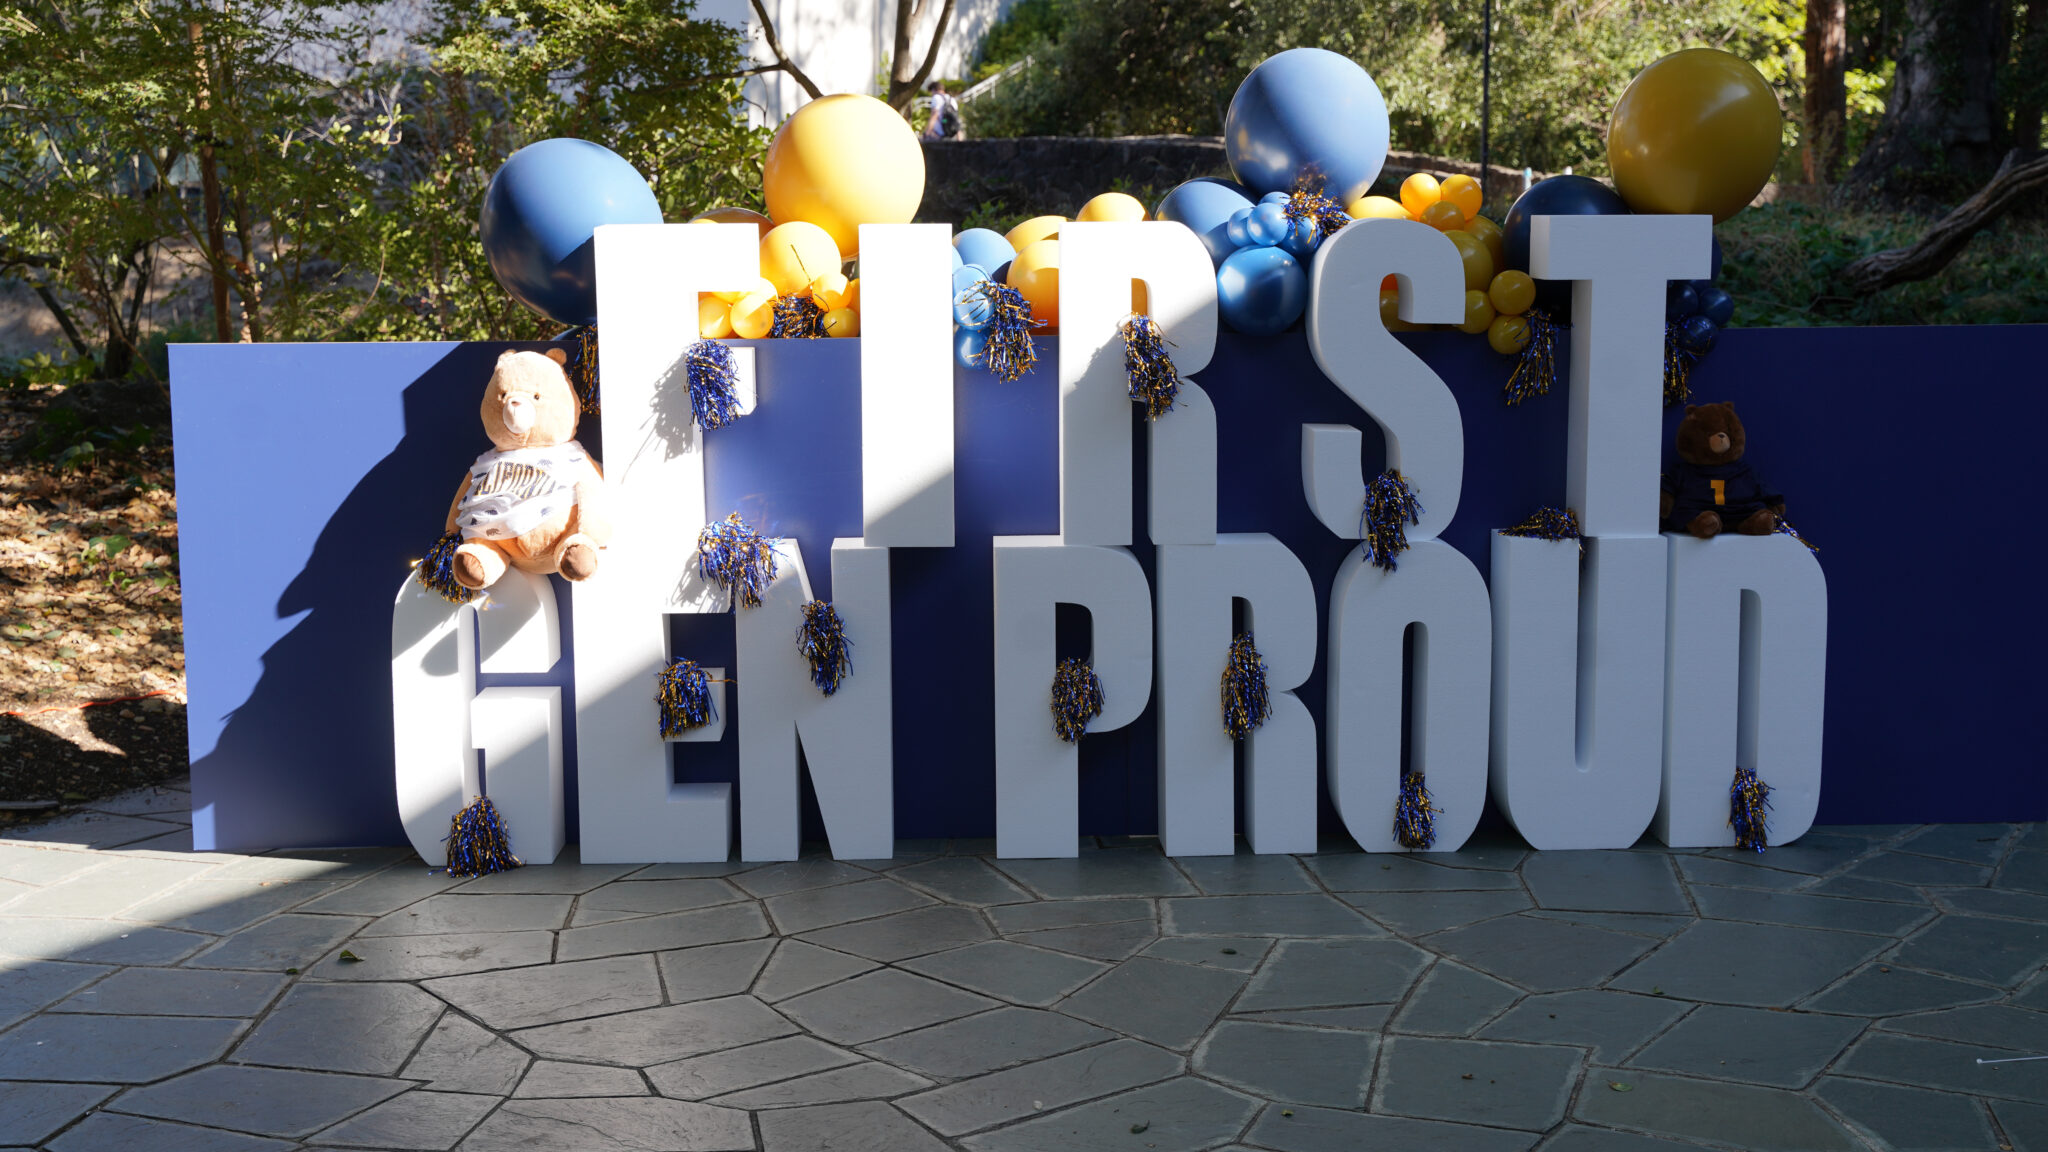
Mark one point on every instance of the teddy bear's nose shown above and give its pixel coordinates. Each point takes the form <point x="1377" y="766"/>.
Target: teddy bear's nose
<point x="1719" y="442"/>
<point x="518" y="413"/>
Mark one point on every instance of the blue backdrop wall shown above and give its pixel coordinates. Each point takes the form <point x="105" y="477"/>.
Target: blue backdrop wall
<point x="310" y="475"/>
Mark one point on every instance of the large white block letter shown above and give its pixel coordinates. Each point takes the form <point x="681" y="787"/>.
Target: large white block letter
<point x="906" y="385"/>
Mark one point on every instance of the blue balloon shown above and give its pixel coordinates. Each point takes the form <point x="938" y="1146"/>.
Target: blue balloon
<point x="1205" y="205"/>
<point x="1680" y="300"/>
<point x="1302" y="238"/>
<point x="1237" y="228"/>
<point x="1268" y="225"/>
<point x="1718" y="306"/>
<point x="1276" y="197"/>
<point x="538" y="215"/>
<point x="967" y="346"/>
<point x="1715" y="272"/>
<point x="984" y="248"/>
<point x="958" y="263"/>
<point x="1697" y="334"/>
<point x="1557" y="196"/>
<point x="1307" y="112"/>
<point x="1261" y="290"/>
<point x="971" y="309"/>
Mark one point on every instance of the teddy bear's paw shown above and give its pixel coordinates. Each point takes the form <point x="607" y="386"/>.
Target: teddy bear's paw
<point x="579" y="561"/>
<point x="1706" y="525"/>
<point x="476" y="567"/>
<point x="1761" y="522"/>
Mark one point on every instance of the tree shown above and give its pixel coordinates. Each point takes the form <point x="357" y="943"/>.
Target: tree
<point x="906" y="79"/>
<point x="1827" y="93"/>
<point x="1944" y="126"/>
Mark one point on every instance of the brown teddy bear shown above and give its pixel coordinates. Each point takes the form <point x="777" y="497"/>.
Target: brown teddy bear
<point x="535" y="501"/>
<point x="1711" y="488"/>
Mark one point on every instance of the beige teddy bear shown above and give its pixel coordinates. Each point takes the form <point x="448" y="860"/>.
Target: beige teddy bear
<point x="535" y="501"/>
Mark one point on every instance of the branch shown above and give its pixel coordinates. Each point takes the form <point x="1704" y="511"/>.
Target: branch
<point x="931" y="56"/>
<point x="782" y="60"/>
<point x="1947" y="239"/>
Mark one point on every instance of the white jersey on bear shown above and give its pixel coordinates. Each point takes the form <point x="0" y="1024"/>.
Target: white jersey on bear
<point x="513" y="492"/>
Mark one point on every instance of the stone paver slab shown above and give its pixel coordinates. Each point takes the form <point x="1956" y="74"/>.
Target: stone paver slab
<point x="1246" y="874"/>
<point x="630" y="1124"/>
<point x="1756" y="1045"/>
<point x="95" y="942"/>
<point x="1757" y="1119"/>
<point x="719" y="925"/>
<point x="1636" y="923"/>
<point x="1744" y="872"/>
<point x="113" y="1049"/>
<point x="1382" y="872"/>
<point x="111" y="1132"/>
<point x="733" y="1069"/>
<point x="713" y="970"/>
<point x="1908" y="1119"/>
<point x="423" y="1120"/>
<point x="1100" y="874"/>
<point x="652" y="896"/>
<point x="984" y="1043"/>
<point x="1100" y="941"/>
<point x="868" y="1126"/>
<point x="1286" y="914"/>
<point x="2026" y="1125"/>
<point x="1941" y="1064"/>
<point x="1808" y="911"/>
<point x="865" y="1081"/>
<point x="552" y="993"/>
<point x="1998" y="1025"/>
<point x="1970" y="843"/>
<point x="1994" y="902"/>
<point x="432" y="957"/>
<point x="798" y="875"/>
<point x="31" y="1113"/>
<point x="658" y="1035"/>
<point x="1612" y="1024"/>
<point x="1167" y="1004"/>
<point x="1420" y="913"/>
<point x="904" y="934"/>
<point x="1453" y="1000"/>
<point x="177" y="992"/>
<point x="1333" y="973"/>
<point x="1366" y="1018"/>
<point x="555" y="1079"/>
<point x="215" y="903"/>
<point x="369" y="1028"/>
<point x="1009" y="971"/>
<point x="879" y="1004"/>
<point x="2026" y="871"/>
<point x="101" y="892"/>
<point x="1576" y="1138"/>
<point x="568" y="875"/>
<point x="1178" y="1115"/>
<point x="1046" y="914"/>
<point x="1330" y="1130"/>
<point x="454" y="912"/>
<point x="265" y="1101"/>
<point x="1539" y="954"/>
<point x="1523" y="1086"/>
<point x="41" y="865"/>
<point x="288" y="941"/>
<point x="1858" y="888"/>
<point x="92" y="830"/>
<point x="25" y="988"/>
<point x="1979" y="948"/>
<point x="386" y="891"/>
<point x="1283" y="1062"/>
<point x="1882" y="990"/>
<point x="1717" y="961"/>
<point x="1052" y="1083"/>
<point x="796" y="912"/>
<point x="798" y="967"/>
<point x="460" y="1056"/>
<point x="1919" y="871"/>
<point x="962" y="880"/>
<point x="328" y="864"/>
<point x="1235" y="953"/>
<point x="1604" y="882"/>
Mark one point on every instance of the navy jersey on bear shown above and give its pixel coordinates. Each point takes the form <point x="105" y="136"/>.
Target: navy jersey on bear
<point x="1733" y="491"/>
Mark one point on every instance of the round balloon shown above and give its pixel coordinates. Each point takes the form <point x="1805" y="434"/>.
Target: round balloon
<point x="1556" y="196"/>
<point x="1307" y="112"/>
<point x="1681" y="299"/>
<point x="1036" y="273"/>
<point x="1697" y="334"/>
<point x="1261" y="290"/>
<point x="734" y="216"/>
<point x="1268" y="224"/>
<point x="984" y="248"/>
<point x="796" y="253"/>
<point x="967" y="346"/>
<point x="971" y="307"/>
<point x="1033" y="230"/>
<point x="1376" y="208"/>
<point x="1205" y="206"/>
<point x="1717" y="305"/>
<point x="1238" y="227"/>
<point x="1696" y="132"/>
<point x="539" y="213"/>
<point x="842" y="322"/>
<point x="1477" y="261"/>
<point x="1120" y="206"/>
<point x="841" y="162"/>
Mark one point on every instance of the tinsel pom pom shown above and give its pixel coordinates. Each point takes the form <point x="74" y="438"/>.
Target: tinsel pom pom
<point x="1389" y="507"/>
<point x="798" y="316"/>
<point x="1414" y="815"/>
<point x="733" y="555"/>
<point x="1076" y="698"/>
<point x="684" y="693"/>
<point x="1548" y="524"/>
<point x="1154" y="380"/>
<point x="1245" y="701"/>
<point x="714" y="399"/>
<point x="1678" y="362"/>
<point x="1536" y="368"/>
<point x="1307" y="202"/>
<point x="582" y="366"/>
<point x="477" y="845"/>
<point x="1009" y="353"/>
<point x="1785" y="526"/>
<point x="436" y="570"/>
<point x="1749" y="810"/>
<point x="821" y="640"/>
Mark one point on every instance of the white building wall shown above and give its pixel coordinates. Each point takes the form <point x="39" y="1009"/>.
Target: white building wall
<point x="844" y="45"/>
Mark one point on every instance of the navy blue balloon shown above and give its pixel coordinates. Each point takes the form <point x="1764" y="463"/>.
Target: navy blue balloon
<point x="539" y="213"/>
<point x="1237" y="227"/>
<point x="1307" y="112"/>
<point x="971" y="309"/>
<point x="967" y="346"/>
<point x="1680" y="300"/>
<point x="1697" y="334"/>
<point x="1261" y="290"/>
<point x="1205" y="205"/>
<point x="984" y="248"/>
<point x="1715" y="272"/>
<point x="1269" y="224"/>
<point x="1557" y="196"/>
<point x="1718" y="306"/>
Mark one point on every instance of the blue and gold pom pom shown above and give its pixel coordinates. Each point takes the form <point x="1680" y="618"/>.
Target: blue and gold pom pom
<point x="1678" y="362"/>
<point x="1389" y="507"/>
<point x="1785" y="527"/>
<point x="582" y="366"/>
<point x="1307" y="202"/>
<point x="477" y="844"/>
<point x="798" y="316"/>
<point x="1154" y="380"/>
<point x="1246" y="703"/>
<point x="1554" y="524"/>
<point x="1076" y="698"/>
<point x="731" y="554"/>
<point x="714" y="384"/>
<point x="436" y="570"/>
<point x="684" y="693"/>
<point x="821" y="640"/>
<point x="1414" y="815"/>
<point x="1009" y="353"/>
<point x="1536" y="367"/>
<point x="1749" y="810"/>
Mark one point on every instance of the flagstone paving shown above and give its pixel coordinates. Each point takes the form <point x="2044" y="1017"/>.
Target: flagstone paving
<point x="1837" y="993"/>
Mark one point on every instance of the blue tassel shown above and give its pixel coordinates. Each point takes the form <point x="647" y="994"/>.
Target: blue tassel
<point x="714" y="400"/>
<point x="798" y="316"/>
<point x="1009" y="353"/>
<point x="1749" y="810"/>
<point x="1414" y="815"/>
<point x="436" y="570"/>
<point x="1678" y="362"/>
<point x="1389" y="507"/>
<point x="1154" y="380"/>
<point x="1307" y="202"/>
<point x="477" y="844"/>
<point x="731" y="554"/>
<point x="1076" y="699"/>
<point x="1245" y="701"/>
<point x="1536" y="368"/>
<point x="1553" y="524"/>
<point x="821" y="639"/>
<point x="1785" y="526"/>
<point x="684" y="693"/>
<point x="582" y="366"/>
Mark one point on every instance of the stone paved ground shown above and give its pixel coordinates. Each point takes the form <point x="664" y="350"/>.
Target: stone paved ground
<point x="1833" y="994"/>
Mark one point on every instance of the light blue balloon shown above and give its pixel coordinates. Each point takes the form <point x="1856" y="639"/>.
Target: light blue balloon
<point x="1237" y="227"/>
<point x="1276" y="197"/>
<point x="971" y="309"/>
<point x="967" y="346"/>
<point x="1269" y="225"/>
<point x="1302" y="238"/>
<point x="538" y="215"/>
<point x="1307" y="112"/>
<point x="1205" y="205"/>
<point x="984" y="248"/>
<point x="958" y="263"/>
<point x="1261" y="290"/>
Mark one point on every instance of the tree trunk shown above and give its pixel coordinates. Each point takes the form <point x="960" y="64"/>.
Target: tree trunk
<point x="905" y="78"/>
<point x="2031" y="81"/>
<point x="1942" y="128"/>
<point x="209" y="188"/>
<point x="1827" y="97"/>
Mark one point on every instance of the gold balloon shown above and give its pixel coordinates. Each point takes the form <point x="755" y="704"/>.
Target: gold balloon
<point x="1696" y="132"/>
<point x="714" y="317"/>
<point x="1377" y="208"/>
<point x="734" y="216"/>
<point x="1036" y="273"/>
<point x="1477" y="260"/>
<point x="1116" y="206"/>
<point x="1478" y="313"/>
<point x="1032" y="231"/>
<point x="841" y="162"/>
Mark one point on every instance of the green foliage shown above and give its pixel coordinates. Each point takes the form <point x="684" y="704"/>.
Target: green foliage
<point x="1029" y="26"/>
<point x="40" y="369"/>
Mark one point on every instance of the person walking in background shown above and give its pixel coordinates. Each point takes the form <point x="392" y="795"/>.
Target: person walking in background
<point x="945" y="122"/>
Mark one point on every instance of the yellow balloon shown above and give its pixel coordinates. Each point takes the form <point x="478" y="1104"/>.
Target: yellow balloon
<point x="1478" y="313"/>
<point x="714" y="317"/>
<point x="1696" y="132"/>
<point x="1511" y="292"/>
<point x="1491" y="235"/>
<point x="1033" y="230"/>
<point x="1477" y="260"/>
<point x="841" y="162"/>
<point x="796" y="253"/>
<point x="1390" y="313"/>
<point x="753" y="315"/>
<point x="1036" y="273"/>
<point x="842" y="322"/>
<point x="1112" y="206"/>
<point x="1418" y="192"/>
<point x="734" y="216"/>
<point x="1376" y="208"/>
<point x="760" y="284"/>
<point x="1508" y="334"/>
<point x="1443" y="216"/>
<point x="1462" y="191"/>
<point x="829" y="291"/>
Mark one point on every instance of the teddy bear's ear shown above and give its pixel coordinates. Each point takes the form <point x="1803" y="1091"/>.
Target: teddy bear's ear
<point x="1691" y="408"/>
<point x="557" y="355"/>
